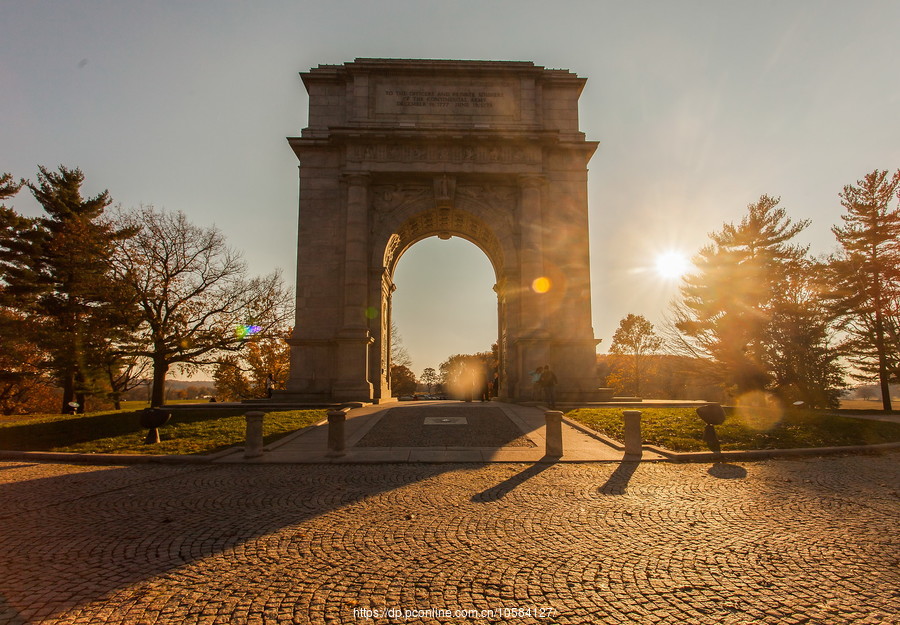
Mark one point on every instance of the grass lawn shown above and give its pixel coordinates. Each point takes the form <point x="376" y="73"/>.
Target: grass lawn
<point x="192" y="431"/>
<point x="680" y="429"/>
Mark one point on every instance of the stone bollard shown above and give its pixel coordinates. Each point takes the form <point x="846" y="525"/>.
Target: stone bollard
<point x="253" y="448"/>
<point x="554" y="433"/>
<point x="336" y="420"/>
<point x="633" y="432"/>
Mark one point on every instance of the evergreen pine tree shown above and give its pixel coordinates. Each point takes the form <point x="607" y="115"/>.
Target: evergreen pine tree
<point x="866" y="277"/>
<point x="21" y="361"/>
<point x="800" y="339"/>
<point x="60" y="276"/>
<point x="727" y="303"/>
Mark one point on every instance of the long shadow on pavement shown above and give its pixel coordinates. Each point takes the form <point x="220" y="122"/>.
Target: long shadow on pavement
<point x="72" y="539"/>
<point x="726" y="471"/>
<point x="502" y="489"/>
<point x="618" y="481"/>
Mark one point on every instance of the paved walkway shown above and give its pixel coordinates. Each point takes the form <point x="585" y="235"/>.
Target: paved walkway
<point x="887" y="418"/>
<point x="398" y="433"/>
<point x="776" y="542"/>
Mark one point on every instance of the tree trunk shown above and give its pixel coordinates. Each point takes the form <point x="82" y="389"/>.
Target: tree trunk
<point x="880" y="348"/>
<point x="68" y="384"/>
<point x="80" y="394"/>
<point x="158" y="396"/>
<point x="114" y="391"/>
<point x="637" y="375"/>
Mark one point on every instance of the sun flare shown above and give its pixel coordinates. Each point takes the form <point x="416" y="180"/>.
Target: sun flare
<point x="672" y="265"/>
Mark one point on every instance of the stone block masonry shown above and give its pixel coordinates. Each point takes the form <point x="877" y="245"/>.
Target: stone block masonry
<point x="398" y="150"/>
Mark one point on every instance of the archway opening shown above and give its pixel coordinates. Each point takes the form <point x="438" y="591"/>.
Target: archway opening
<point x="444" y="303"/>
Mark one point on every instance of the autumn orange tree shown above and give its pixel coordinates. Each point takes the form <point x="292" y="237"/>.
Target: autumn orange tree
<point x="633" y="343"/>
<point x="403" y="380"/>
<point x="243" y="375"/>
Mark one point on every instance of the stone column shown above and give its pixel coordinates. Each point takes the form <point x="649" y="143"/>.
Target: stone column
<point x="356" y="269"/>
<point x="336" y="436"/>
<point x="253" y="448"/>
<point x="532" y="341"/>
<point x="531" y="223"/>
<point x="353" y="339"/>
<point x="632" y="436"/>
<point x="553" y="433"/>
<point x="382" y="289"/>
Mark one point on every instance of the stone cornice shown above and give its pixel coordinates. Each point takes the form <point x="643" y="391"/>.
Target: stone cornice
<point x="446" y="67"/>
<point x="482" y="148"/>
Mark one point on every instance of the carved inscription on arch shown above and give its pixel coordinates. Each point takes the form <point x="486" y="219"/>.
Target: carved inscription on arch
<point x="444" y="153"/>
<point x="467" y="97"/>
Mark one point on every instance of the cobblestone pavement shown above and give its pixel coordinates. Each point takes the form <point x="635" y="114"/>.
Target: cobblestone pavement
<point x="782" y="541"/>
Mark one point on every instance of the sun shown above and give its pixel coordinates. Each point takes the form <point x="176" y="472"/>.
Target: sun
<point x="672" y="265"/>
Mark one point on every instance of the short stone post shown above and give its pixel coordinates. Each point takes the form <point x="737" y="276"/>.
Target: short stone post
<point x="633" y="432"/>
<point x="253" y="448"/>
<point x="336" y="420"/>
<point x="554" y="433"/>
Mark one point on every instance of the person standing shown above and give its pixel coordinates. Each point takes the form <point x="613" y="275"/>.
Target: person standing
<point x="548" y="383"/>
<point x="270" y="385"/>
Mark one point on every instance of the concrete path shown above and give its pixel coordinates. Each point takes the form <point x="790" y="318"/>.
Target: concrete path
<point x="887" y="418"/>
<point x="774" y="542"/>
<point x="311" y="445"/>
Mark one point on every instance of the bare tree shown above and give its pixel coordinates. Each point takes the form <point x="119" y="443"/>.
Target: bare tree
<point x="429" y="378"/>
<point x="194" y="297"/>
<point x="399" y="353"/>
<point x="124" y="372"/>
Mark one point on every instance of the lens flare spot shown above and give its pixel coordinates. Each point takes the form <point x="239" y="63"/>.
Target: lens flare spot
<point x="371" y="312"/>
<point x="466" y="379"/>
<point x="541" y="285"/>
<point x="759" y="411"/>
<point x="246" y="330"/>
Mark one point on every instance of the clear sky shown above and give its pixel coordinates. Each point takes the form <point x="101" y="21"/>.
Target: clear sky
<point x="699" y="107"/>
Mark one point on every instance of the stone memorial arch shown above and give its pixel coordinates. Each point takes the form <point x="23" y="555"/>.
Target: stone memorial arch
<point x="400" y="150"/>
